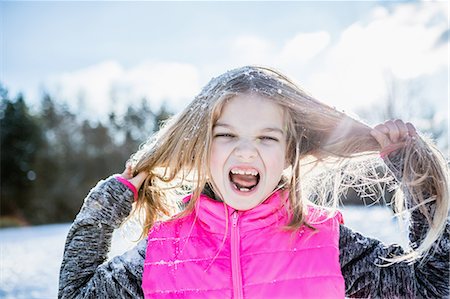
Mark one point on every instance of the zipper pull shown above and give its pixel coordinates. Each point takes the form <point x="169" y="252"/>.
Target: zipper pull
<point x="235" y="218"/>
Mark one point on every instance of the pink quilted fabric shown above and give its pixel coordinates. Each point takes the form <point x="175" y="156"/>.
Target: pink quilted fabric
<point x="217" y="252"/>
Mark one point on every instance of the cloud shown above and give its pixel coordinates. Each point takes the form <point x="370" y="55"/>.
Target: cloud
<point x="86" y="89"/>
<point x="251" y="49"/>
<point x="403" y="43"/>
<point x="303" y="47"/>
<point x="348" y="70"/>
<point x="169" y="82"/>
<point x="108" y="86"/>
<point x="296" y="51"/>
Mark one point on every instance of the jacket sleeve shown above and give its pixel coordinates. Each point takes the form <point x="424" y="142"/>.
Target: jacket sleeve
<point x="361" y="259"/>
<point x="84" y="272"/>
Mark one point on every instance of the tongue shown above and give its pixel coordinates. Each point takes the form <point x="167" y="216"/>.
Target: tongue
<point x="244" y="180"/>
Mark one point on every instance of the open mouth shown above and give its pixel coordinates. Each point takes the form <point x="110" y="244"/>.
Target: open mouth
<point x="244" y="180"/>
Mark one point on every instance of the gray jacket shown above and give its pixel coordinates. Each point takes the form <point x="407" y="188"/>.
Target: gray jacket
<point x="86" y="274"/>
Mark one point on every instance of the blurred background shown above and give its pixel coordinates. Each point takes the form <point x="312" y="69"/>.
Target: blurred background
<point x="82" y="84"/>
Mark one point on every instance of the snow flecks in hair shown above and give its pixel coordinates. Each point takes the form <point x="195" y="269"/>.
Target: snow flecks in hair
<point x="177" y="157"/>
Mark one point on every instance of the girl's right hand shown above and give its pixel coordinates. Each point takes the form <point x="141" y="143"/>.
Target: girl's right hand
<point x="392" y="135"/>
<point x="137" y="180"/>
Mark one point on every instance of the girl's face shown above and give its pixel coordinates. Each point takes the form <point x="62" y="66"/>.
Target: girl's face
<point x="248" y="150"/>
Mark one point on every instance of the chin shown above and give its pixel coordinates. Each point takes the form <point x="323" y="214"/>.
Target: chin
<point x="242" y="208"/>
<point x="244" y="204"/>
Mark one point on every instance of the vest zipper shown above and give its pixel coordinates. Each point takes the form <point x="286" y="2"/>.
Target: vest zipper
<point x="235" y="258"/>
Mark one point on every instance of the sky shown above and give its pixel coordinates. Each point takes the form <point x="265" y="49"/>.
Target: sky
<point x="99" y="56"/>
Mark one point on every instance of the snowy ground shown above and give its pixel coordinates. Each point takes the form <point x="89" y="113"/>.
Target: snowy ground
<point x="30" y="257"/>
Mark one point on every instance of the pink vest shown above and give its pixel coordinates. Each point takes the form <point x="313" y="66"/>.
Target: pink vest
<point x="216" y="252"/>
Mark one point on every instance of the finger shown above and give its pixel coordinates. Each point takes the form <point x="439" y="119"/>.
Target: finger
<point x="402" y="128"/>
<point x="138" y="179"/>
<point x="127" y="173"/>
<point x="411" y="129"/>
<point x="393" y="147"/>
<point x="382" y="128"/>
<point x="380" y="137"/>
<point x="394" y="132"/>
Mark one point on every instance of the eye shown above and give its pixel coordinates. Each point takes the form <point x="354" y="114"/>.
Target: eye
<point x="268" y="138"/>
<point x="224" y="135"/>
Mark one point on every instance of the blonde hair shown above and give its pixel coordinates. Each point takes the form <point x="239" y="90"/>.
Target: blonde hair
<point x="177" y="157"/>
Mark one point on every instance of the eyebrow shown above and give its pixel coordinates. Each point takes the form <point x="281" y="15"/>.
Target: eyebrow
<point x="268" y="129"/>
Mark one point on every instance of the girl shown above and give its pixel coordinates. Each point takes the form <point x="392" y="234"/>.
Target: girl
<point x="261" y="163"/>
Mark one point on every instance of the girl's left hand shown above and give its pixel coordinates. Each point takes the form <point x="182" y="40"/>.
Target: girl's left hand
<point x="136" y="180"/>
<point x="392" y="135"/>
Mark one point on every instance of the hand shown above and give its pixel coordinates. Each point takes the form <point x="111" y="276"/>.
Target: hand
<point x="136" y="180"/>
<point x="392" y="135"/>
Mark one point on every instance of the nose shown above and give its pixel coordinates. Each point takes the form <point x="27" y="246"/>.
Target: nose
<point x="245" y="150"/>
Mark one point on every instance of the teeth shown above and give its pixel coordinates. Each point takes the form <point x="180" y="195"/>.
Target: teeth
<point x="241" y="171"/>
<point x="243" y="189"/>
<point x="251" y="172"/>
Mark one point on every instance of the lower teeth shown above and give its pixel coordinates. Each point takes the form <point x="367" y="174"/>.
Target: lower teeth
<point x="242" y="189"/>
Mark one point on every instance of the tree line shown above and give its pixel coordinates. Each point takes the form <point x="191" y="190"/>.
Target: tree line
<point x="51" y="157"/>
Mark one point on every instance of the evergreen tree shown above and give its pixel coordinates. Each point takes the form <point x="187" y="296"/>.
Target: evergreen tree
<point x="50" y="160"/>
<point x="21" y="138"/>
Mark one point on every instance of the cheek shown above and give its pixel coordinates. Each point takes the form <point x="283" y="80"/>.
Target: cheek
<point x="275" y="158"/>
<point x="214" y="154"/>
<point x="217" y="159"/>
